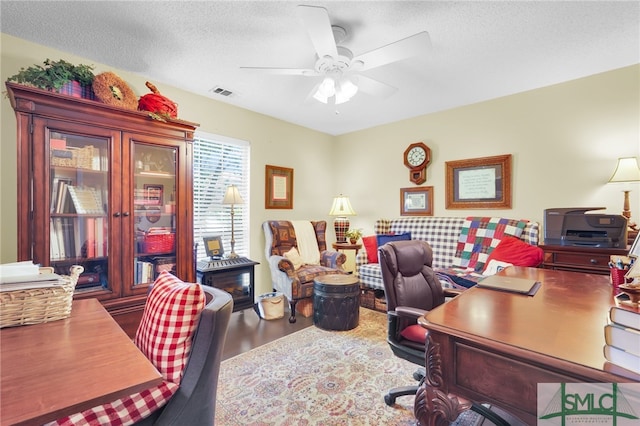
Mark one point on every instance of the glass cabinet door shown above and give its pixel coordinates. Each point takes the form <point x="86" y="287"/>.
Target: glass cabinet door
<point x="78" y="206"/>
<point x="154" y="192"/>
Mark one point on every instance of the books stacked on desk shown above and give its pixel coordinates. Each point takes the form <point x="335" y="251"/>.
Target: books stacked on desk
<point x="622" y="338"/>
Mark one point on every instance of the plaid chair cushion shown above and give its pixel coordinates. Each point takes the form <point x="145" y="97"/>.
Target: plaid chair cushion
<point x="479" y="236"/>
<point x="170" y="317"/>
<point x="124" y="411"/>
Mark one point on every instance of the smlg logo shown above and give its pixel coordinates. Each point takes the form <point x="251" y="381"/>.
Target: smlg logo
<point x="588" y="404"/>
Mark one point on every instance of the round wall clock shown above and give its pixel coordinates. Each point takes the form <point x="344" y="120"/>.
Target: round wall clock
<point x="416" y="157"/>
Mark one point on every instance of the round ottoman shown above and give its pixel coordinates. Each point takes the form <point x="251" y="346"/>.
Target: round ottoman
<point x="336" y="302"/>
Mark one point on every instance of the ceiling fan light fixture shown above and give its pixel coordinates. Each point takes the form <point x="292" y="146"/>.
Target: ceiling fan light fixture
<point x="345" y="91"/>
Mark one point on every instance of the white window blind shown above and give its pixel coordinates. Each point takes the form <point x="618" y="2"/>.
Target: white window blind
<point x="218" y="162"/>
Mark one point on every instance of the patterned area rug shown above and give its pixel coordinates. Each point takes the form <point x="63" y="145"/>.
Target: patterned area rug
<point x="317" y="377"/>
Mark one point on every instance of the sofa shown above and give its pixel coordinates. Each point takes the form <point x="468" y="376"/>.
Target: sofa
<point x="462" y="246"/>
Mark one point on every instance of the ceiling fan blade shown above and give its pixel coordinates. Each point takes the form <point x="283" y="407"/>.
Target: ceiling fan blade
<point x="414" y="45"/>
<point x="316" y="20"/>
<point x="284" y="71"/>
<point x="373" y="87"/>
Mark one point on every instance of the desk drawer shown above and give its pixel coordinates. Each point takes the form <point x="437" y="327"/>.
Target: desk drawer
<point x="583" y="259"/>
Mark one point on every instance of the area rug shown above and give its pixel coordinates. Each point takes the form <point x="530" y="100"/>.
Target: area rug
<point x="317" y="377"/>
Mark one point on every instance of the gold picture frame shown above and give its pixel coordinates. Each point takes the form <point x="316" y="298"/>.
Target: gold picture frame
<point x="278" y="191"/>
<point x="416" y="201"/>
<point x="479" y="183"/>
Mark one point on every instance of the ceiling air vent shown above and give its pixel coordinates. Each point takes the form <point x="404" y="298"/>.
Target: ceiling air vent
<point x="221" y="91"/>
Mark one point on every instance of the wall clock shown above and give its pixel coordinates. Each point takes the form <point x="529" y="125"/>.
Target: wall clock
<point x="416" y="157"/>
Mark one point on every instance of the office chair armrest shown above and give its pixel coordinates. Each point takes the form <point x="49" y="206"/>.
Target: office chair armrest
<point x="409" y="312"/>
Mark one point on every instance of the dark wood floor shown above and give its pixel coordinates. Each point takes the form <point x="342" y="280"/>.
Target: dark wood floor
<point x="247" y="331"/>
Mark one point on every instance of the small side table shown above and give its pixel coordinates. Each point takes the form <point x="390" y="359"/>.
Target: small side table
<point x="336" y="302"/>
<point x="348" y="246"/>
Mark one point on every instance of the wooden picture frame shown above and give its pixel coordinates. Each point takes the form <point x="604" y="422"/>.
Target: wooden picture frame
<point x="416" y="201"/>
<point x="153" y="194"/>
<point x="278" y="189"/>
<point x="479" y="183"/>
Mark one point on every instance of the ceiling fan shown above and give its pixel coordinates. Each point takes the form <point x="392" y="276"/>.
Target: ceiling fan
<point x="339" y="69"/>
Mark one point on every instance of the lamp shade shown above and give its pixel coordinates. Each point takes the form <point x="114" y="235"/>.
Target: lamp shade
<point x="626" y="170"/>
<point x="232" y="196"/>
<point x="341" y="207"/>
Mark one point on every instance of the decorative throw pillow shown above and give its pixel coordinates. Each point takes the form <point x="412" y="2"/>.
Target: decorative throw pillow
<point x="415" y="333"/>
<point x="480" y="235"/>
<point x="371" y="247"/>
<point x="517" y="252"/>
<point x="170" y="317"/>
<point x="294" y="257"/>
<point x="386" y="238"/>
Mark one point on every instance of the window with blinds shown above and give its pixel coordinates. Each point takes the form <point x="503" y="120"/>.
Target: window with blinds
<point x="218" y="162"/>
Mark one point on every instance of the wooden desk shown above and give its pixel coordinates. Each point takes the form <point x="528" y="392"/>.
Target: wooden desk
<point x="59" y="368"/>
<point x="492" y="346"/>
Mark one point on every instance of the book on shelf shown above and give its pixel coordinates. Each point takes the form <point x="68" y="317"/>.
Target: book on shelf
<point x="626" y="317"/>
<point x="86" y="200"/>
<point x="61" y="205"/>
<point x="622" y="358"/>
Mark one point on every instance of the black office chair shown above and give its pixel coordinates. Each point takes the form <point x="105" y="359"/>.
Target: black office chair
<point x="412" y="289"/>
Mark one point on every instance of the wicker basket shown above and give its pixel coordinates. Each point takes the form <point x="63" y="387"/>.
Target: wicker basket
<point x="159" y="242"/>
<point x="367" y="298"/>
<point x="37" y="305"/>
<point x="80" y="158"/>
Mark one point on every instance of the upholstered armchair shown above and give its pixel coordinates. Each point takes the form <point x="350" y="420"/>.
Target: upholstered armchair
<point x="297" y="253"/>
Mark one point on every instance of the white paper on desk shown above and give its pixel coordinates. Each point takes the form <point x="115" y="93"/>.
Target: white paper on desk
<point x="15" y="269"/>
<point x="26" y="282"/>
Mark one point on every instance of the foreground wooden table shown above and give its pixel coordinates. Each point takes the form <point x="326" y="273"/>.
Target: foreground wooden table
<point x="59" y="368"/>
<point x="493" y="346"/>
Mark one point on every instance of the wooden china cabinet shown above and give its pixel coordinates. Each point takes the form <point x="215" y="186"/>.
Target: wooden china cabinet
<point x="106" y="188"/>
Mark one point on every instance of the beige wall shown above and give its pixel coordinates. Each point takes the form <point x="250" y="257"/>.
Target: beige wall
<point x="564" y="139"/>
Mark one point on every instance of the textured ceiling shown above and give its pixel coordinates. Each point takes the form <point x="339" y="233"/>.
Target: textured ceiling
<point x="480" y="50"/>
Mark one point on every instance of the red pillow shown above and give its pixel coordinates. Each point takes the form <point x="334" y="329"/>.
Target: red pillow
<point x="415" y="333"/>
<point x="517" y="252"/>
<point x="371" y="246"/>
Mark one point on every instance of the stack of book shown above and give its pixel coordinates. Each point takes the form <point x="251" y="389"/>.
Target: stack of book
<point x="622" y="338"/>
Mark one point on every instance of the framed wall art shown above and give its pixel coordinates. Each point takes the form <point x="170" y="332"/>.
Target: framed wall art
<point x="153" y="194"/>
<point x="417" y="201"/>
<point x="479" y="183"/>
<point x="278" y="188"/>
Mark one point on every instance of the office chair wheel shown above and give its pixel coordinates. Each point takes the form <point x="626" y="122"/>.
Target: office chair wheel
<point x="389" y="400"/>
<point x="418" y="375"/>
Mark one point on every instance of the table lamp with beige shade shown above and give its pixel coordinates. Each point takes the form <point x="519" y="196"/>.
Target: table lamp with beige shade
<point x="626" y="172"/>
<point x="341" y="208"/>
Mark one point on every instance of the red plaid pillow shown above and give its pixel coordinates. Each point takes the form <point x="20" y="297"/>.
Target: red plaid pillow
<point x="124" y="411"/>
<point x="170" y="316"/>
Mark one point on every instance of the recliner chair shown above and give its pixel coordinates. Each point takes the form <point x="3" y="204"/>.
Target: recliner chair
<point x="412" y="289"/>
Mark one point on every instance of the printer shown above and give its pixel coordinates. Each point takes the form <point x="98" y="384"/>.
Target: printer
<point x="573" y="227"/>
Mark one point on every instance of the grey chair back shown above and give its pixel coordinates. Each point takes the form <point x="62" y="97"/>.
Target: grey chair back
<point x="194" y="403"/>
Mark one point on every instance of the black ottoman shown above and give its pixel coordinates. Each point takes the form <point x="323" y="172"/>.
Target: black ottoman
<point x="336" y="302"/>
